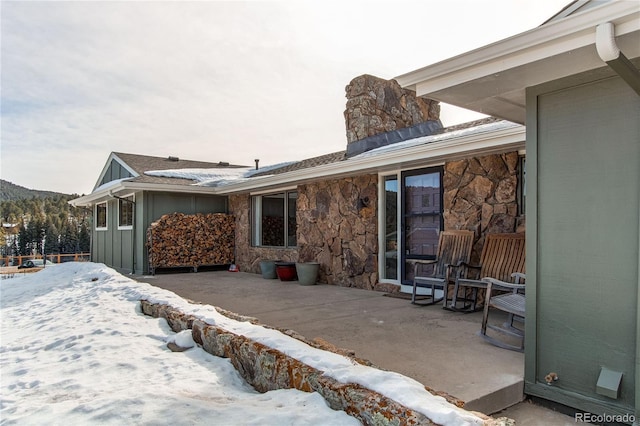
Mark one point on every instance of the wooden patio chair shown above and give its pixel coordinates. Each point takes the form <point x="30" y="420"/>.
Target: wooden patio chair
<point x="502" y="255"/>
<point x="454" y="247"/>
<point x="513" y="303"/>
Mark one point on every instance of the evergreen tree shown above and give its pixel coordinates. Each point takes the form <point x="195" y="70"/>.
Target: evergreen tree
<point x="48" y="211"/>
<point x="23" y="241"/>
<point x="84" y="239"/>
<point x="51" y="238"/>
<point x="68" y="239"/>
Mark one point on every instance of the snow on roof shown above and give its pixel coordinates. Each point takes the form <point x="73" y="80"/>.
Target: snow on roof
<point x="214" y="177"/>
<point x="423" y="140"/>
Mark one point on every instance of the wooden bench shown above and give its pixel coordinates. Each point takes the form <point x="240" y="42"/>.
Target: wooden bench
<point x="502" y="255"/>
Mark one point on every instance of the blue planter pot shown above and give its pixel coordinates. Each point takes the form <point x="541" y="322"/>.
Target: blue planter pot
<point x="268" y="269"/>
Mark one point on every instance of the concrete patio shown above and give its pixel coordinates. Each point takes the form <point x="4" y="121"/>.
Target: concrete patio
<point x="436" y="347"/>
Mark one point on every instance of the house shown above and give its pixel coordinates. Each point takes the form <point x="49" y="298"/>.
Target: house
<point x="127" y="199"/>
<point x="401" y="173"/>
<point x="575" y="82"/>
<point x="365" y="212"/>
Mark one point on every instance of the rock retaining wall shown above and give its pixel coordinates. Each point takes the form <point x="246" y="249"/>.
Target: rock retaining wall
<point x="269" y="369"/>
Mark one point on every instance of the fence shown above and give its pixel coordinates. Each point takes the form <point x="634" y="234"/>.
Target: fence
<point x="53" y="258"/>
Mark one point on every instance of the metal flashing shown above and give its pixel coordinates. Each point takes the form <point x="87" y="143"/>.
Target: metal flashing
<point x="394" y="136"/>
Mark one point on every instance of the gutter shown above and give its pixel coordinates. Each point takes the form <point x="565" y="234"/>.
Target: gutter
<point x="562" y="36"/>
<point x="512" y="136"/>
<point x="103" y="194"/>
<point x="610" y="53"/>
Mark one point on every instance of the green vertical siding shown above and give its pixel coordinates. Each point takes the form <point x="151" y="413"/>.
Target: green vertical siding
<point x="113" y="247"/>
<point x="114" y="171"/>
<point x="156" y="204"/>
<point x="586" y="155"/>
<point x="124" y="250"/>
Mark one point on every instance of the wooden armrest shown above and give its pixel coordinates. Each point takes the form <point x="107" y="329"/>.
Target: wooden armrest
<point x="468" y="265"/>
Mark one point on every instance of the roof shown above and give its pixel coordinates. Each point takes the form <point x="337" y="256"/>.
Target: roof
<point x="492" y="79"/>
<point x="304" y="164"/>
<point x="481" y="137"/>
<point x="478" y="137"/>
<point x="338" y="156"/>
<point x="140" y="164"/>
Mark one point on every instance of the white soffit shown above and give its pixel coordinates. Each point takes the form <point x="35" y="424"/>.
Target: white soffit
<point x="492" y="79"/>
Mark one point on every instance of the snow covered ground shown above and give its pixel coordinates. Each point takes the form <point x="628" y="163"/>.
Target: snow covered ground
<point x="76" y="349"/>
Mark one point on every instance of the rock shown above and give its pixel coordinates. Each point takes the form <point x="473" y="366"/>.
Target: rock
<point x="176" y="348"/>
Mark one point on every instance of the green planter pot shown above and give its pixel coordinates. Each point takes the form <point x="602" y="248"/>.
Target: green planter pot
<point x="268" y="269"/>
<point x="307" y="272"/>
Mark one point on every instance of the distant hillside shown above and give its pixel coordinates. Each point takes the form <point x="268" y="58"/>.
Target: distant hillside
<point x="12" y="192"/>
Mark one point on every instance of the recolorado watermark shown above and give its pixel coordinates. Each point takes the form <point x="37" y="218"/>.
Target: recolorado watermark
<point x="604" y="418"/>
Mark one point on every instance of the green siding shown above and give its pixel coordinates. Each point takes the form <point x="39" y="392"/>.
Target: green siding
<point x="586" y="154"/>
<point x="115" y="171"/>
<point x="115" y="247"/>
<point x="156" y="204"/>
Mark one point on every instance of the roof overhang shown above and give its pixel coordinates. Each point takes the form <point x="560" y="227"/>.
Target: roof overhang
<point x="509" y="137"/>
<point x="123" y="187"/>
<point x="420" y="152"/>
<point x="492" y="79"/>
<point x="114" y="157"/>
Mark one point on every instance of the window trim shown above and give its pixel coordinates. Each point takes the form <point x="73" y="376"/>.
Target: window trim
<point x="106" y="216"/>
<point x="521" y="187"/>
<point x="256" y="217"/>
<point x="125" y="199"/>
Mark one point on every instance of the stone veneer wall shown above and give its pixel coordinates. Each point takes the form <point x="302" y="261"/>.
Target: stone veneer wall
<point x="480" y="195"/>
<point x="375" y="106"/>
<point x="337" y="219"/>
<point x="337" y="226"/>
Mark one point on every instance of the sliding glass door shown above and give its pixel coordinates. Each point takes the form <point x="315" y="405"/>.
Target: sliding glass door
<point x="421" y="217"/>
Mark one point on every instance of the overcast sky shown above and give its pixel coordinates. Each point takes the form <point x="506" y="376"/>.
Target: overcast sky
<point x="210" y="80"/>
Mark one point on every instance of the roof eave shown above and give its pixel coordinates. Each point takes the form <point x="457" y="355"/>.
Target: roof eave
<point x="126" y="187"/>
<point x="484" y="73"/>
<point x="510" y="138"/>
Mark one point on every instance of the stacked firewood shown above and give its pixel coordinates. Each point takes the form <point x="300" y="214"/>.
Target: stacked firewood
<point x="180" y="240"/>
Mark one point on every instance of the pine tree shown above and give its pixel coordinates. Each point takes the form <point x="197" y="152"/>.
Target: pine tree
<point x="84" y="239"/>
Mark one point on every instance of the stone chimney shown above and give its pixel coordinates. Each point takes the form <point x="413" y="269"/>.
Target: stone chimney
<point x="378" y="109"/>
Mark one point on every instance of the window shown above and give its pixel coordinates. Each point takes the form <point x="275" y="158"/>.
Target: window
<point x="101" y="216"/>
<point x="411" y="212"/>
<point x="125" y="212"/>
<point x="522" y="185"/>
<point x="391" y="227"/>
<point x="274" y="219"/>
